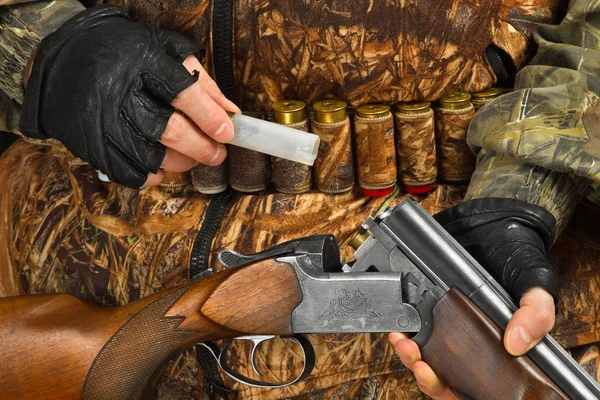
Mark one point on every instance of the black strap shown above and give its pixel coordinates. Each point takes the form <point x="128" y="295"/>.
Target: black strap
<point x="223" y="46"/>
<point x="203" y="243"/>
<point x="213" y="383"/>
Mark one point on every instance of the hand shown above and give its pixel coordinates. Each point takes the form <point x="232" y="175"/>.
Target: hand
<point x="185" y="138"/>
<point x="534" y="319"/>
<point x="127" y="97"/>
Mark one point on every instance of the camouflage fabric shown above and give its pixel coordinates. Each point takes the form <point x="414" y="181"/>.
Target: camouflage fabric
<point x="341" y="56"/>
<point x="541" y="143"/>
<point x="22" y="28"/>
<point x="8" y="2"/>
<point x="62" y="230"/>
<point x="360" y="51"/>
<point x="499" y="175"/>
<point x="9" y="114"/>
<point x="455" y="161"/>
<point x="415" y="148"/>
<point x="334" y="166"/>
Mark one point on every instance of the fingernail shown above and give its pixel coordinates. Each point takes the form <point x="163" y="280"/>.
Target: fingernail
<point x="518" y="341"/>
<point x="103" y="177"/>
<point x="225" y="132"/>
<point x="215" y="156"/>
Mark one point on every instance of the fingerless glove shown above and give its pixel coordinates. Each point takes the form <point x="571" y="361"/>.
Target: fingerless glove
<point x="102" y="85"/>
<point x="510" y="238"/>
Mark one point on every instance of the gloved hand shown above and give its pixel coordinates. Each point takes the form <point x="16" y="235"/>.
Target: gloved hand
<point x="511" y="239"/>
<point x="107" y="88"/>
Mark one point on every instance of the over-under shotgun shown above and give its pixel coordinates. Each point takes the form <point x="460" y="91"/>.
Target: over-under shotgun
<point x="57" y="347"/>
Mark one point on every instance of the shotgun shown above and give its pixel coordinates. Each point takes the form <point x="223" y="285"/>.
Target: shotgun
<point x="409" y="275"/>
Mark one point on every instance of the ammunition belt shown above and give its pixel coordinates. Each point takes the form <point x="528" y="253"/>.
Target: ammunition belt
<point x="416" y="145"/>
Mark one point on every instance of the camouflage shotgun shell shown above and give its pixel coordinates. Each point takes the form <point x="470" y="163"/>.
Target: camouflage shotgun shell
<point x="415" y="146"/>
<point x="334" y="168"/>
<point x="290" y="176"/>
<point x="249" y="170"/>
<point x="480" y="99"/>
<point x="210" y="179"/>
<point x="375" y="149"/>
<point x="176" y="179"/>
<point x="456" y="162"/>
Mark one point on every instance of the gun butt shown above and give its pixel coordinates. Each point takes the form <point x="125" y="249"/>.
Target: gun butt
<point x="58" y="347"/>
<point x="49" y="342"/>
<point x="466" y="350"/>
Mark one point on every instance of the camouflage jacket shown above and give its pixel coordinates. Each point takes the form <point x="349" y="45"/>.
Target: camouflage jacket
<point x="540" y="143"/>
<point x="517" y="147"/>
<point x="62" y="230"/>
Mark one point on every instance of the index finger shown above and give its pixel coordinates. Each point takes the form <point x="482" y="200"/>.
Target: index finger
<point x="192" y="64"/>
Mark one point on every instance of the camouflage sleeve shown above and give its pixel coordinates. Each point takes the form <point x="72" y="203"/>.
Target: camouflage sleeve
<point x="9" y="2"/>
<point x="22" y="28"/>
<point x="541" y="143"/>
<point x="9" y="114"/>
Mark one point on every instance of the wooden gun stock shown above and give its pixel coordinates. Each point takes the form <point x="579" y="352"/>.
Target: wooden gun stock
<point x="466" y="350"/>
<point x="58" y="347"/>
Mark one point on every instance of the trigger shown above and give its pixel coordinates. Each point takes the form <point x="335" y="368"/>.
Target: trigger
<point x="255" y="344"/>
<point x="256" y="341"/>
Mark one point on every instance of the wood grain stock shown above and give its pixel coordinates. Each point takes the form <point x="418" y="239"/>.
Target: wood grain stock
<point x="57" y="347"/>
<point x="467" y="351"/>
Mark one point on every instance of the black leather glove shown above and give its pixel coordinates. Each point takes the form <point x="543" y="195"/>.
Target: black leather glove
<point x="510" y="238"/>
<point x="102" y="85"/>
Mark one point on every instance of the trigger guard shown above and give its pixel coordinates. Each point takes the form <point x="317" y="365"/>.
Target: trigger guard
<point x="309" y="363"/>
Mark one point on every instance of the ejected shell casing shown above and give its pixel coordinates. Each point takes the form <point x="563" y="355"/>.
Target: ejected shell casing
<point x="456" y="162"/>
<point x="334" y="168"/>
<point x="290" y="176"/>
<point x="415" y="146"/>
<point x="249" y="170"/>
<point x="210" y="179"/>
<point x="375" y="149"/>
<point x="484" y="97"/>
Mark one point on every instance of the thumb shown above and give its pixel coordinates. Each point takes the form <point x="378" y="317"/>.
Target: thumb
<point x="534" y="319"/>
